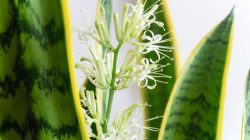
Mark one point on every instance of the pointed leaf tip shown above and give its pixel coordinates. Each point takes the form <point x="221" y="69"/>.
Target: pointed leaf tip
<point x="232" y="11"/>
<point x="192" y="104"/>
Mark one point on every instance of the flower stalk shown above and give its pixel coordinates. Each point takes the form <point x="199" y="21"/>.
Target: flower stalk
<point x="102" y="70"/>
<point x="112" y="89"/>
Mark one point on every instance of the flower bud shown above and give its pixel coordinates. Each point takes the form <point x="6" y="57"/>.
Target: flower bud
<point x="117" y="30"/>
<point x="124" y="16"/>
<point x="99" y="31"/>
<point x="105" y="35"/>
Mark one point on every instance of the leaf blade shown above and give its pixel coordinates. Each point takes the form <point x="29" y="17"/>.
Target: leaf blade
<point x="184" y="115"/>
<point x="35" y="86"/>
<point x="76" y="98"/>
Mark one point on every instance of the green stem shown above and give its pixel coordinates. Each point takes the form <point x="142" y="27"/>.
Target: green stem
<point x="112" y="88"/>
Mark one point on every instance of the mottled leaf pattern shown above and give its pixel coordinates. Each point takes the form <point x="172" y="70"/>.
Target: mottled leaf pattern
<point x="35" y="90"/>
<point x="195" y="107"/>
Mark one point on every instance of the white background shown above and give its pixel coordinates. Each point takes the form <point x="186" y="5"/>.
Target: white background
<point x="192" y="19"/>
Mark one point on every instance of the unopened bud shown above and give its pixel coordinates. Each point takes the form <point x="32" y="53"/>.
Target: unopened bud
<point x="117" y="30"/>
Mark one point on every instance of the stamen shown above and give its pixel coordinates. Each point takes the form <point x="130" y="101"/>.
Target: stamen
<point x="151" y="6"/>
<point x="158" y="12"/>
<point x="154" y="118"/>
<point x="154" y="129"/>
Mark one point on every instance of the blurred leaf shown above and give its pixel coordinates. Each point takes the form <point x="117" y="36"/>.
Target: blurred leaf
<point x="107" y="4"/>
<point x="159" y="96"/>
<point x="195" y="108"/>
<point x="246" y="115"/>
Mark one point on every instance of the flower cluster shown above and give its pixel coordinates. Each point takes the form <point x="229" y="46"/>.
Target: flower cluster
<point x="126" y="125"/>
<point x="92" y="112"/>
<point x="134" y="25"/>
<point x="102" y="70"/>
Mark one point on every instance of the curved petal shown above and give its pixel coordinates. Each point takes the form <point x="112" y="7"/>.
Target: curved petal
<point x="154" y="83"/>
<point x="143" y="83"/>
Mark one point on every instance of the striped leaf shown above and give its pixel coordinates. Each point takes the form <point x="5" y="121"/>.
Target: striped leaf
<point x="14" y="106"/>
<point x="246" y="115"/>
<point x="195" y="107"/>
<point x="35" y="74"/>
<point x="159" y="96"/>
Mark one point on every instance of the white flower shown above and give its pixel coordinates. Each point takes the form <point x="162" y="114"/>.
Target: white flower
<point x="101" y="70"/>
<point x="124" y="77"/>
<point x="96" y="31"/>
<point x="147" y="74"/>
<point x="141" y="19"/>
<point x="126" y="126"/>
<point x="135" y="19"/>
<point x="151" y="73"/>
<point x="153" y="44"/>
<point x="83" y="34"/>
<point x="98" y="70"/>
<point x="92" y="111"/>
<point x="85" y="31"/>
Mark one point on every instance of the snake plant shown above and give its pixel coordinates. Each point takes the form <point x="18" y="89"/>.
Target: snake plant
<point x="39" y="98"/>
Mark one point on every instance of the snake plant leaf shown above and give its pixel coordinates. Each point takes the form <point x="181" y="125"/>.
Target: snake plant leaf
<point x="159" y="96"/>
<point x="14" y="106"/>
<point x="107" y="4"/>
<point x="36" y="84"/>
<point x="195" y="108"/>
<point x="72" y="74"/>
<point x="246" y="115"/>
